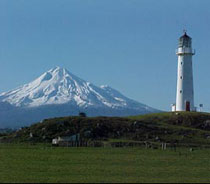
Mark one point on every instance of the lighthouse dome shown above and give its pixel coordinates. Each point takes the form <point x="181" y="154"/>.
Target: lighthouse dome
<point x="185" y="41"/>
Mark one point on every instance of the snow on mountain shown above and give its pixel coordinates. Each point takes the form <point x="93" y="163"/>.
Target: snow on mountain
<point x="57" y="92"/>
<point x="59" y="86"/>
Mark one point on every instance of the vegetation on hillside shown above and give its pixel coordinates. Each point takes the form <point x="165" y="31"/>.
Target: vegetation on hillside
<point x="188" y="119"/>
<point x="179" y="128"/>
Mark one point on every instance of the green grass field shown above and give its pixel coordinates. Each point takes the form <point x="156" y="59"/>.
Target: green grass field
<point x="43" y="163"/>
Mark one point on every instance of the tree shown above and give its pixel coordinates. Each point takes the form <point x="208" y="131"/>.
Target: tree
<point x="82" y="114"/>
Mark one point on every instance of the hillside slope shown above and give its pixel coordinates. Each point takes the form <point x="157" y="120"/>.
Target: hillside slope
<point x="182" y="128"/>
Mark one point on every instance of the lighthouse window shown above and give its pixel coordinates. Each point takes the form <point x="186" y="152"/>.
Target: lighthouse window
<point x="180" y="91"/>
<point x="181" y="77"/>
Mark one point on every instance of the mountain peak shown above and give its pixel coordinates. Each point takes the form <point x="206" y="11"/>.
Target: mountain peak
<point x="65" y="94"/>
<point x="59" y="86"/>
<point x="58" y="70"/>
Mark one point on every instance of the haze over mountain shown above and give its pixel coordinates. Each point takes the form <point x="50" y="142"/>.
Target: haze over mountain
<point x="57" y="92"/>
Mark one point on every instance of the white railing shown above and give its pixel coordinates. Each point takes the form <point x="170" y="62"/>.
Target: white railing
<point x="186" y="50"/>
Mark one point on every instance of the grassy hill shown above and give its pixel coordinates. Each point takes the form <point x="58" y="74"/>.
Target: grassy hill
<point x="29" y="163"/>
<point x="182" y="128"/>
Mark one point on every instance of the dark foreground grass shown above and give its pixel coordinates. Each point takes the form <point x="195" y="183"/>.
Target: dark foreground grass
<point x="42" y="163"/>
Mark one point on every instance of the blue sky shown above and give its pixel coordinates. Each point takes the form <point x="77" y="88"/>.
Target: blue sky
<point x="126" y="44"/>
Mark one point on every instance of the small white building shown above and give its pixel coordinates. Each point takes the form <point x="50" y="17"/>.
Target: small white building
<point x="72" y="138"/>
<point x="173" y="107"/>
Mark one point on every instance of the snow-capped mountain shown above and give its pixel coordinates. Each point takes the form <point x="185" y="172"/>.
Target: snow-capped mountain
<point x="58" y="92"/>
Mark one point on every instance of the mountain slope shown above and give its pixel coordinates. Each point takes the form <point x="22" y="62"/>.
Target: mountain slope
<point x="57" y="92"/>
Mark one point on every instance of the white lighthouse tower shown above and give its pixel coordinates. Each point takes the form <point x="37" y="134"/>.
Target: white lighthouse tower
<point x="184" y="93"/>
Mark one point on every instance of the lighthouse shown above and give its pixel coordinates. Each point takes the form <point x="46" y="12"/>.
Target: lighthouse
<point x="184" y="93"/>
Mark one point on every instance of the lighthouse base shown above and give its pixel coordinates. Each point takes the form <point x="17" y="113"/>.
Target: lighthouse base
<point x="187" y="108"/>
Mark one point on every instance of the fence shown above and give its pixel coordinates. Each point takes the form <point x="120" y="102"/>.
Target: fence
<point x="145" y="144"/>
